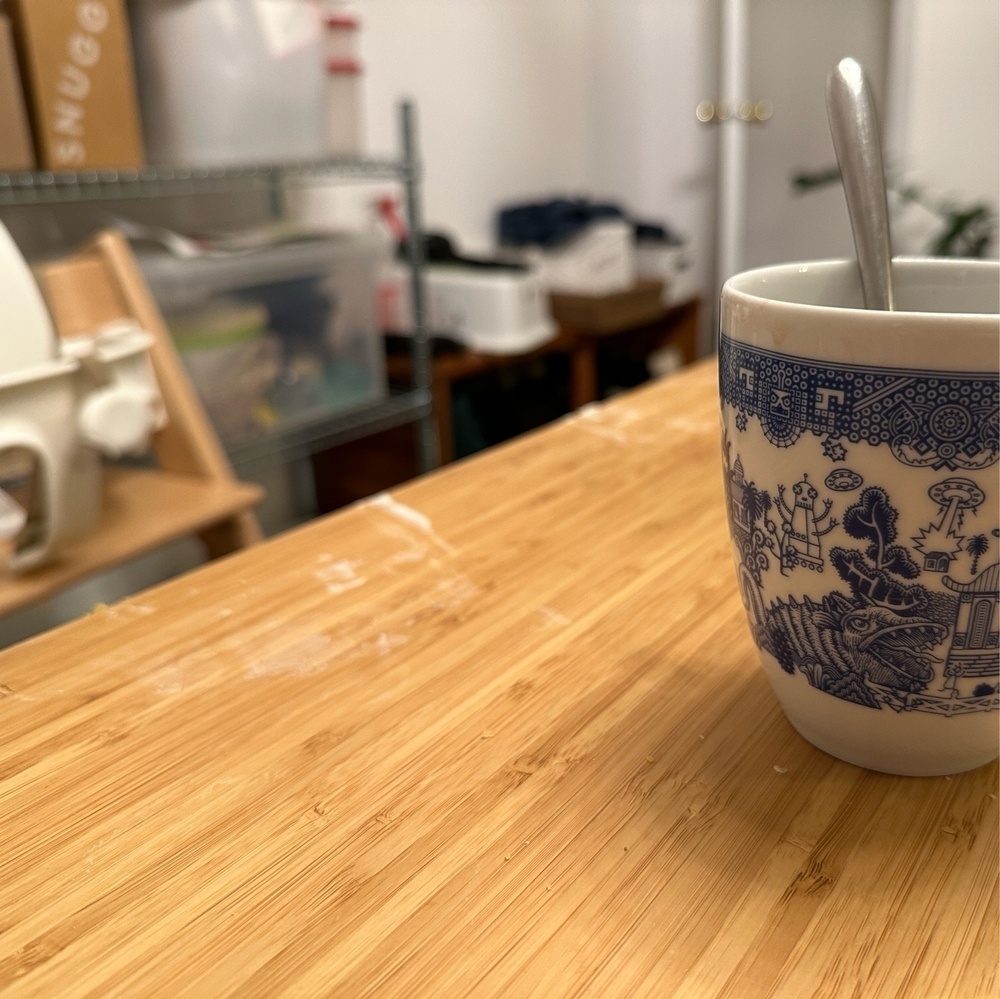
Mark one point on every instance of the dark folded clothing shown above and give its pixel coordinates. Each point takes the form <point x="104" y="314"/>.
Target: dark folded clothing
<point x="550" y="223"/>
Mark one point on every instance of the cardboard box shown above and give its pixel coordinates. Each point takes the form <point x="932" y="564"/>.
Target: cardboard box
<point x="614" y="313"/>
<point x="76" y="63"/>
<point x="16" y="150"/>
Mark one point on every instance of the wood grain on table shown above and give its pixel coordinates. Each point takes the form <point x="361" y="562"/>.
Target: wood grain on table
<point x="502" y="732"/>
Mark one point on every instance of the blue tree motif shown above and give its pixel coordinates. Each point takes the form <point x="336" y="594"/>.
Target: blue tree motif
<point x="977" y="546"/>
<point x="761" y="539"/>
<point x="873" y="518"/>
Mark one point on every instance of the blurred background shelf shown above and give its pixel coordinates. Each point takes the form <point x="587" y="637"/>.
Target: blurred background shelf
<point x="51" y="187"/>
<point x="276" y="453"/>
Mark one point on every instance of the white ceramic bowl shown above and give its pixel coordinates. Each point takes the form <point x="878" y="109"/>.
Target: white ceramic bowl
<point x="860" y="454"/>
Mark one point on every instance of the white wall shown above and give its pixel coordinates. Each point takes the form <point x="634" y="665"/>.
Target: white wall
<point x="779" y="224"/>
<point x="526" y="99"/>
<point x="500" y="88"/>
<point x="944" y="126"/>
<point x="653" y="62"/>
<point x="946" y="131"/>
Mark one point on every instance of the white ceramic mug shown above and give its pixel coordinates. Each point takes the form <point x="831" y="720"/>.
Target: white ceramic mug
<point x="860" y="453"/>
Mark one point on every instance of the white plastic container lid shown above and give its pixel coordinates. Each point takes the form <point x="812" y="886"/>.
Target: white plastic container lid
<point x="180" y="284"/>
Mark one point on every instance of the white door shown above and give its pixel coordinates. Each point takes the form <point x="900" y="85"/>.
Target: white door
<point x="775" y="56"/>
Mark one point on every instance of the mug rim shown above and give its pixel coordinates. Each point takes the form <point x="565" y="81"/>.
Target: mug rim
<point x="744" y="287"/>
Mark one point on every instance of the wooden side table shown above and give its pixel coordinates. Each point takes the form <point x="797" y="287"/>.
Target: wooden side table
<point x="675" y="326"/>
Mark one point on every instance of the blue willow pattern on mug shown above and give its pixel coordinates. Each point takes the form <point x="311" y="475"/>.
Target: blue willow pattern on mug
<point x="889" y="640"/>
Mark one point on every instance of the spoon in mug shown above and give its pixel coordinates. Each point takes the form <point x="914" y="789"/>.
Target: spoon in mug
<point x="851" y="111"/>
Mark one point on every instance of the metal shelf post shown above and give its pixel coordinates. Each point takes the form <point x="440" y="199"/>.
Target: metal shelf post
<point x="429" y="447"/>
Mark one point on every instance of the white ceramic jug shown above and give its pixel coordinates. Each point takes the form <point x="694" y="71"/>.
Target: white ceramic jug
<point x="62" y="403"/>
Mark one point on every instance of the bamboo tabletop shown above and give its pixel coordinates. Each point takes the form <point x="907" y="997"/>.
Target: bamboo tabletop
<point x="500" y="732"/>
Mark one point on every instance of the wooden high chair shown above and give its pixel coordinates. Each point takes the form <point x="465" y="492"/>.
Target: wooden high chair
<point x="192" y="491"/>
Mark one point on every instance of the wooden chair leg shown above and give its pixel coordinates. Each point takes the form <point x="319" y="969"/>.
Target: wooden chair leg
<point x="188" y="444"/>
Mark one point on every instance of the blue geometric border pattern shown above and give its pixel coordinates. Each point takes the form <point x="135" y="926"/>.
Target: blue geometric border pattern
<point x="933" y="419"/>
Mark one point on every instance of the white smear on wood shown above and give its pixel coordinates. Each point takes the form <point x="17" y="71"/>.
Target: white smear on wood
<point x="337" y="577"/>
<point x="124" y="611"/>
<point x="317" y="652"/>
<point x="447" y="593"/>
<point x="588" y="411"/>
<point x="335" y="588"/>
<point x="220" y="786"/>
<point x="685" y="425"/>
<point x="6" y="691"/>
<point x="615" y="423"/>
<point x="410" y="517"/>
<point x="385" y="643"/>
<point x="137" y="610"/>
<point x="307" y="655"/>
<point x="552" y="616"/>
<point x="169" y="680"/>
<point x="408" y="557"/>
<point x="453" y="591"/>
<point x="101" y="847"/>
<point x="185" y="671"/>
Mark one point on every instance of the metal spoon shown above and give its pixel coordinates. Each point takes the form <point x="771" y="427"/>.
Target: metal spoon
<point x="851" y="111"/>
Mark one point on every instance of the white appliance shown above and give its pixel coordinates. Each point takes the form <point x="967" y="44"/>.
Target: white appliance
<point x="62" y="402"/>
<point x="671" y="263"/>
<point x="489" y="310"/>
<point x="598" y="260"/>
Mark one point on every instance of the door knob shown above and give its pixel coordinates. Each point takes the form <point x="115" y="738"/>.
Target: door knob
<point x="751" y="112"/>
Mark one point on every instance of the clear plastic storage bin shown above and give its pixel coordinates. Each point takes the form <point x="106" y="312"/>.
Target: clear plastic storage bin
<point x="279" y="336"/>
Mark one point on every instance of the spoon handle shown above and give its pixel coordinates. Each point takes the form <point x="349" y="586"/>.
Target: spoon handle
<point x="853" y="125"/>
